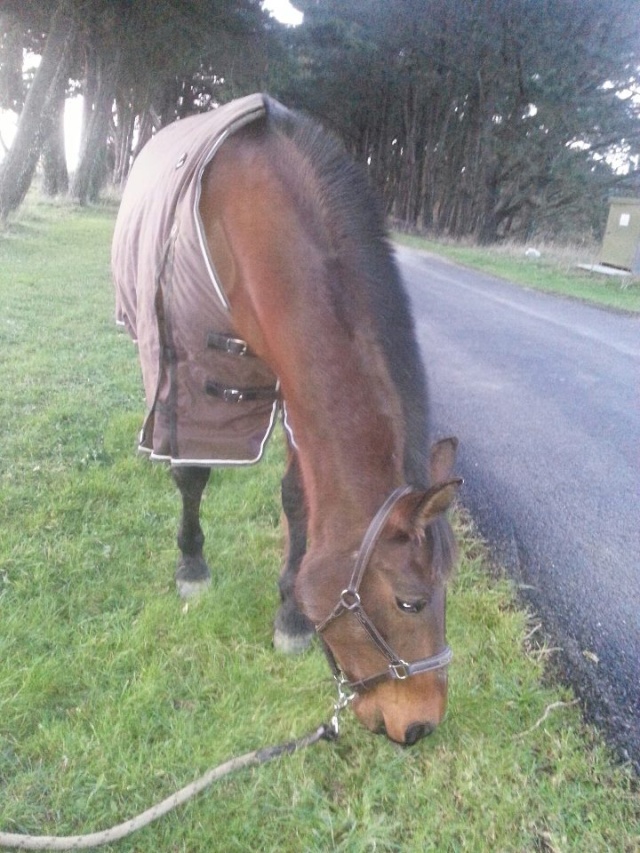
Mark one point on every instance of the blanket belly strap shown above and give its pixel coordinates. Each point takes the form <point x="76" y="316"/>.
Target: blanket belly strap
<point x="240" y="395"/>
<point x="229" y="344"/>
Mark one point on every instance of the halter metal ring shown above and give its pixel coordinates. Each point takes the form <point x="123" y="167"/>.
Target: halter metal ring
<point x="350" y="599"/>
<point x="399" y="669"/>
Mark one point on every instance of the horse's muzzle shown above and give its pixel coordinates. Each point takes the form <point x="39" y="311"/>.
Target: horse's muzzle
<point x="416" y="732"/>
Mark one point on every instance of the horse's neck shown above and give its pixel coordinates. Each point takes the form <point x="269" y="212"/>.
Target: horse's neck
<point x="346" y="422"/>
<point x="304" y="311"/>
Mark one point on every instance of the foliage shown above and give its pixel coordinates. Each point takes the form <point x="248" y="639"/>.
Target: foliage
<point x="477" y="118"/>
<point x="155" y="61"/>
<point x="114" y="693"/>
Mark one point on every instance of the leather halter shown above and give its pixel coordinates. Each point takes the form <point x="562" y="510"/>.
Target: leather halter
<point x="350" y="602"/>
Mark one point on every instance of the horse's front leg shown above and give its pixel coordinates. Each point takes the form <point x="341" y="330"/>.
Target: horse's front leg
<point x="192" y="574"/>
<point x="293" y="631"/>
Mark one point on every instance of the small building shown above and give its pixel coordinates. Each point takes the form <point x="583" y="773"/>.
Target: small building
<point x="621" y="242"/>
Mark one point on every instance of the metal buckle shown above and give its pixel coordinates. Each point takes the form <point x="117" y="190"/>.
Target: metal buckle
<point x="228" y="344"/>
<point x="345" y="696"/>
<point x="350" y="599"/>
<point x="345" y="693"/>
<point x="236" y="346"/>
<point x="399" y="669"/>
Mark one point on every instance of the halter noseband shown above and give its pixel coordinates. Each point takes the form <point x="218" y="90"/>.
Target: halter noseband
<point x="350" y="602"/>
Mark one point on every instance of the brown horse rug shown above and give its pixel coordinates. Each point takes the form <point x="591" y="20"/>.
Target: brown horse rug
<point x="210" y="401"/>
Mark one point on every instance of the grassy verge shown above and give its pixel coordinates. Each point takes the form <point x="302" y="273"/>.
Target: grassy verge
<point x="554" y="271"/>
<point x="113" y="693"/>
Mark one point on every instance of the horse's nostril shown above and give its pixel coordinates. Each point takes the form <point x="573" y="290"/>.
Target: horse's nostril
<point x="416" y="731"/>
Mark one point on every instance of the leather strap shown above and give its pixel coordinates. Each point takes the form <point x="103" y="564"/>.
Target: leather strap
<point x="350" y="597"/>
<point x="400" y="670"/>
<point x="229" y="344"/>
<point x="240" y="395"/>
<point x="373" y="534"/>
<point x="350" y="602"/>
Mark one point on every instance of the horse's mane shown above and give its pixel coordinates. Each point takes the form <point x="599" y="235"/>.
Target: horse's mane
<point x="358" y="233"/>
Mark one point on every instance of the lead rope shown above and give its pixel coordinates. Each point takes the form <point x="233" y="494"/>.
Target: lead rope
<point x="122" y="830"/>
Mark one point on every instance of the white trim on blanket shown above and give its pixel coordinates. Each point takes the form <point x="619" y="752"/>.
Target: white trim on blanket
<point x="215" y="463"/>
<point x="288" y="428"/>
<point x="208" y="262"/>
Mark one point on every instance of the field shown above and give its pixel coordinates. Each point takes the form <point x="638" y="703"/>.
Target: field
<point x="114" y="693"/>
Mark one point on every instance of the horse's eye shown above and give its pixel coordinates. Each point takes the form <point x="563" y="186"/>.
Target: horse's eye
<point x="410" y="606"/>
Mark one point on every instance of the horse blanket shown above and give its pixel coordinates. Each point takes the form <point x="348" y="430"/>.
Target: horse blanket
<point x="209" y="400"/>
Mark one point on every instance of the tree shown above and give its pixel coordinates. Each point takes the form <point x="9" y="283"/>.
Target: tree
<point x="140" y="64"/>
<point x="19" y="164"/>
<point x="480" y="118"/>
<point x="101" y="41"/>
<point x="11" y="87"/>
<point x="219" y="50"/>
<point x="54" y="159"/>
<point x="473" y="116"/>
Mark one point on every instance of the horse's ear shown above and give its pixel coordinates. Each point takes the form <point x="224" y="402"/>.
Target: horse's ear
<point x="436" y="500"/>
<point x="414" y="511"/>
<point x="442" y="459"/>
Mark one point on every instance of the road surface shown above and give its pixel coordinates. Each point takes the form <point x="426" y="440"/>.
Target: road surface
<point x="544" y="395"/>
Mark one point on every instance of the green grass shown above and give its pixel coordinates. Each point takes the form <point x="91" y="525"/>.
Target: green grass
<point x="113" y="693"/>
<point x="555" y="271"/>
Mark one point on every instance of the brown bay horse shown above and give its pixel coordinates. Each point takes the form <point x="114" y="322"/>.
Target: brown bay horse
<point x="271" y="224"/>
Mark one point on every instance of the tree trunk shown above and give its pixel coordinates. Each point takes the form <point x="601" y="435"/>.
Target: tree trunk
<point x="124" y="130"/>
<point x="54" y="159"/>
<point x="488" y="228"/>
<point x="99" y="97"/>
<point x="18" y="167"/>
<point x="11" y="94"/>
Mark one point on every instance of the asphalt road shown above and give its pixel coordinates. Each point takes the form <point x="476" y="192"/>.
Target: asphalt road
<point x="544" y="395"/>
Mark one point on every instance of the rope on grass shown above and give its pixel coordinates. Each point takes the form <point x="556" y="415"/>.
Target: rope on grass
<point x="122" y="830"/>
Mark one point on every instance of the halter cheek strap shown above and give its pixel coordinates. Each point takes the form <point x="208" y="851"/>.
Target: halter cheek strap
<point x="350" y="602"/>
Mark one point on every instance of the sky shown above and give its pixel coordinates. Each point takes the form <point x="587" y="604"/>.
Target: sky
<point x="283" y="11"/>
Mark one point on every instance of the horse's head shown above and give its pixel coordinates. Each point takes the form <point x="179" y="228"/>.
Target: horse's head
<point x="381" y="610"/>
